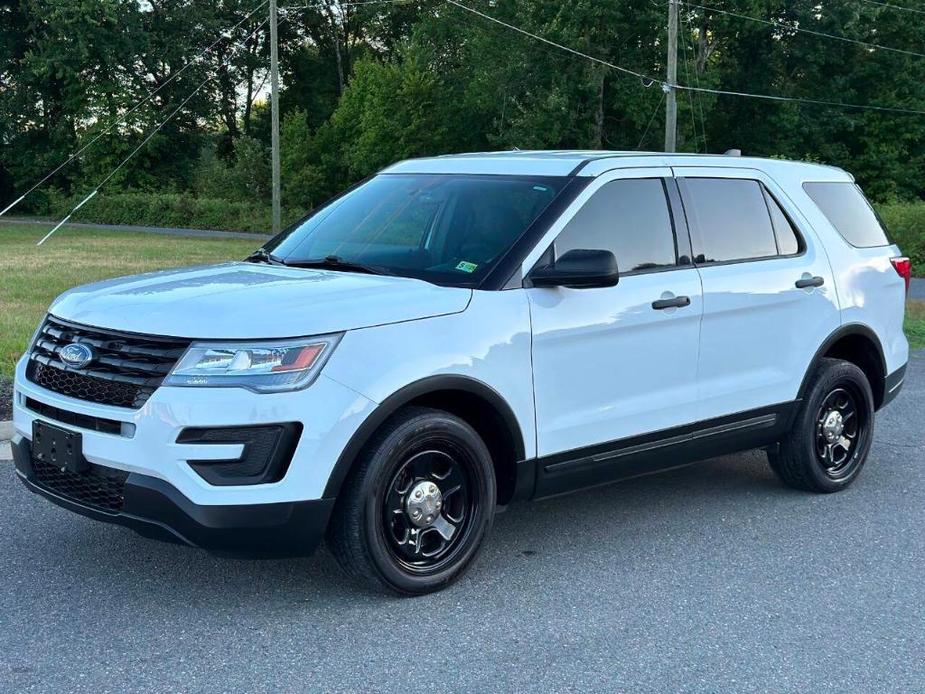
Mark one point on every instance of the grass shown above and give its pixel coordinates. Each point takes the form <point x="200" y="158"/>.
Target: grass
<point x="31" y="277"/>
<point x="915" y="323"/>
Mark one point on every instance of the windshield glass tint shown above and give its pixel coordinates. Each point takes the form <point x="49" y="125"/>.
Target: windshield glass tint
<point x="448" y="229"/>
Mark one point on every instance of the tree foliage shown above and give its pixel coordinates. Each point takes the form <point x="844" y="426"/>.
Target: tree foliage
<point x="365" y="85"/>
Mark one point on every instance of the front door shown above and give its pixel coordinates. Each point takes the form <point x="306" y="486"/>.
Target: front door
<point x="617" y="362"/>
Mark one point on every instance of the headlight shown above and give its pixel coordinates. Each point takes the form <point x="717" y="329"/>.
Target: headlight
<point x="264" y="367"/>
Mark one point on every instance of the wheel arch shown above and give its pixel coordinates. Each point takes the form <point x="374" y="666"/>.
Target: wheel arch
<point x="477" y="403"/>
<point x="858" y="344"/>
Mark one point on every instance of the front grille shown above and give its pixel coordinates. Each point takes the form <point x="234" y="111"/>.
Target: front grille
<point x="126" y="369"/>
<point x="101" y="488"/>
<point x="84" y="387"/>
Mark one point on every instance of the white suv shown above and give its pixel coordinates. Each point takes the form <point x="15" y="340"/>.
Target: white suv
<point x="460" y="332"/>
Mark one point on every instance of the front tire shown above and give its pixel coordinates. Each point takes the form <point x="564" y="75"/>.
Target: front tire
<point x="832" y="432"/>
<point x="416" y="510"/>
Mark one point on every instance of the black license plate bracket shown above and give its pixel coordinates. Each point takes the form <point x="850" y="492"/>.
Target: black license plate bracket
<point x="58" y="447"/>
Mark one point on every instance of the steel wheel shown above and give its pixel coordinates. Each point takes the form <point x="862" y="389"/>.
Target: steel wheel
<point x="418" y="505"/>
<point x="840" y="424"/>
<point x="831" y="432"/>
<point x="428" y="506"/>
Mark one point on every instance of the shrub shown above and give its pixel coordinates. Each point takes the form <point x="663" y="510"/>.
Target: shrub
<point x="245" y="177"/>
<point x="906" y="223"/>
<point x="170" y="210"/>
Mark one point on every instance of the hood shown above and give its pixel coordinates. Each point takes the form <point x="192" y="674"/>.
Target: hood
<point x="249" y="301"/>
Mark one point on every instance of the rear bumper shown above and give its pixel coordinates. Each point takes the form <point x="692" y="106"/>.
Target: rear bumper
<point x="155" y="509"/>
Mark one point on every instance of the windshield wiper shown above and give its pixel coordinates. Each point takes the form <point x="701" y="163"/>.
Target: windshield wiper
<point x="332" y="262"/>
<point x="262" y="255"/>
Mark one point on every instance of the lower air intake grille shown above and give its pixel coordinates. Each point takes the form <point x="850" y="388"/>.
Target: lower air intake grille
<point x="101" y="488"/>
<point x="267" y="451"/>
<point x="107" y="426"/>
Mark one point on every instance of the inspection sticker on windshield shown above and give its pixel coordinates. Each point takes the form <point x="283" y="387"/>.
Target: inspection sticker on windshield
<point x="465" y="266"/>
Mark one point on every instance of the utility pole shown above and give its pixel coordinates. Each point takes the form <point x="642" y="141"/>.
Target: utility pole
<point x="274" y="118"/>
<point x="671" y="102"/>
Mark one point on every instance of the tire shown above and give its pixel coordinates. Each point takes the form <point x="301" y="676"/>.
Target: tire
<point x="374" y="534"/>
<point x="832" y="431"/>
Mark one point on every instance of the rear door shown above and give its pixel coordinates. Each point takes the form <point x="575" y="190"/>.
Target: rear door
<point x="769" y="299"/>
<point x="616" y="362"/>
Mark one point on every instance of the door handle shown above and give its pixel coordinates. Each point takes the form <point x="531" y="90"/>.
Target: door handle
<point x="677" y="302"/>
<point x="810" y="282"/>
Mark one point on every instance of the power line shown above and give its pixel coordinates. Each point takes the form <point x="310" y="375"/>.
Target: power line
<point x="813" y="32"/>
<point x="658" y="107"/>
<point x="801" y="100"/>
<point x="893" y="7"/>
<point x="235" y="47"/>
<point x="687" y="77"/>
<point x="647" y="81"/>
<point x="358" y="3"/>
<point x="634" y="73"/>
<point x="124" y="117"/>
<point x="703" y="122"/>
<point x="704" y="90"/>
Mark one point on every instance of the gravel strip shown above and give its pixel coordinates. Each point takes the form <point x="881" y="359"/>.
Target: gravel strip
<point x="6" y="399"/>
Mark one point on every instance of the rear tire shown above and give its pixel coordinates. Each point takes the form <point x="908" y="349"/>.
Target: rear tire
<point x="832" y="431"/>
<point x="418" y="506"/>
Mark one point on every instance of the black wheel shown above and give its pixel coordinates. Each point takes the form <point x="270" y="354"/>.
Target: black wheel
<point x="417" y="508"/>
<point x="832" y="431"/>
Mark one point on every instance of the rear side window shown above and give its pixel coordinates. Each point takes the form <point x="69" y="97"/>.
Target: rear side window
<point x="731" y="220"/>
<point x="631" y="219"/>
<point x="845" y="206"/>
<point x="788" y="242"/>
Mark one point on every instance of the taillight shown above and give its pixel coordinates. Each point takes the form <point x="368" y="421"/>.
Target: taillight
<point x="903" y="269"/>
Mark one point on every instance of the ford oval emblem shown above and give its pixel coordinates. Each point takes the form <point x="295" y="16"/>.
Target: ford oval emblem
<point x="77" y="355"/>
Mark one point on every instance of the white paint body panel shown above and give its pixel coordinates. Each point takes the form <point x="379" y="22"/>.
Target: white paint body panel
<point x="250" y="301"/>
<point x="870" y="292"/>
<point x="576" y="367"/>
<point x="489" y="343"/>
<point x="607" y="365"/>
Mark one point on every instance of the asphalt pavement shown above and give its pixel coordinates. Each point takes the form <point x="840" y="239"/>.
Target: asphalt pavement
<point x="917" y="288"/>
<point x="710" y="578"/>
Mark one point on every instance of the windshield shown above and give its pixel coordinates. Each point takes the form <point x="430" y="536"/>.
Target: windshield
<point x="446" y="229"/>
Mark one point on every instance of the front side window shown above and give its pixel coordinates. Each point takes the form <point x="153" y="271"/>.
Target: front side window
<point x="447" y="229"/>
<point x="628" y="217"/>
<point x="730" y="220"/>
<point x="845" y="206"/>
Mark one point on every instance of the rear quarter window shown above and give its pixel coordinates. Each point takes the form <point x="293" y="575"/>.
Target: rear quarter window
<point x="845" y="206"/>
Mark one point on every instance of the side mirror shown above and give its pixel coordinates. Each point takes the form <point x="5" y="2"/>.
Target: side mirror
<point x="579" y="269"/>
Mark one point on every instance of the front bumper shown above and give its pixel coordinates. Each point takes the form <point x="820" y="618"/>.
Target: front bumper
<point x="156" y="509"/>
<point x="150" y="441"/>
